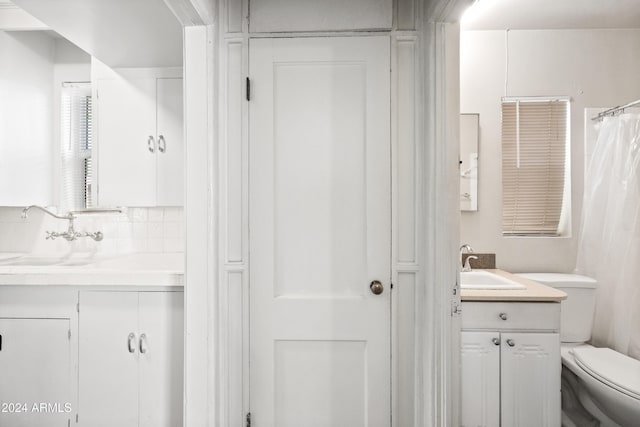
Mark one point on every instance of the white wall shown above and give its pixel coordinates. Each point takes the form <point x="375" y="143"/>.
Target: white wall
<point x="26" y="102"/>
<point x="596" y="68"/>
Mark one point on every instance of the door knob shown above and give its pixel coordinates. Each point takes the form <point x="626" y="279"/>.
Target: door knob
<point x="376" y="287"/>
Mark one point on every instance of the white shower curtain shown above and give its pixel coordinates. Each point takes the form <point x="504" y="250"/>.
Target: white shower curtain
<point x="609" y="244"/>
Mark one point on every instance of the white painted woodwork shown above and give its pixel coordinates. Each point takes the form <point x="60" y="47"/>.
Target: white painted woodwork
<point x="35" y="367"/>
<point x="108" y="372"/>
<point x="130" y="388"/>
<point x="530" y="380"/>
<point x="121" y="33"/>
<point x="126" y="123"/>
<point x="528" y="371"/>
<point x="480" y="365"/>
<point x="312" y="15"/>
<point x="26" y="108"/>
<point x="320" y="223"/>
<point x="132" y="116"/>
<point x="160" y="367"/>
<point x="169" y="127"/>
<point x="12" y="18"/>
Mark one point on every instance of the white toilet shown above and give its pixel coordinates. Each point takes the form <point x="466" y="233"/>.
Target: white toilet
<point x="606" y="382"/>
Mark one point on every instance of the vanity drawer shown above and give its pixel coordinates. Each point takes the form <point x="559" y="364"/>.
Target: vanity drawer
<point x="540" y="316"/>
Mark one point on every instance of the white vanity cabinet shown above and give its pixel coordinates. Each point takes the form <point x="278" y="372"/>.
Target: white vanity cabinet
<point x="130" y="358"/>
<point x="510" y="356"/>
<point x="140" y="141"/>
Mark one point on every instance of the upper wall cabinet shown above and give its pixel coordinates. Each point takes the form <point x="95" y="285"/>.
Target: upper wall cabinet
<point x="140" y="142"/>
<point x="313" y="15"/>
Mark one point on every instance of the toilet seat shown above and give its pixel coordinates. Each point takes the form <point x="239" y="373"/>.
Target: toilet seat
<point x="611" y="368"/>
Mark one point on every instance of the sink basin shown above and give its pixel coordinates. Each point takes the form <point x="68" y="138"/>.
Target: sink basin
<point x="487" y="280"/>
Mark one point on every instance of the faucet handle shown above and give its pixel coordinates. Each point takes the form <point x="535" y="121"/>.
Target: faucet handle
<point x="51" y="235"/>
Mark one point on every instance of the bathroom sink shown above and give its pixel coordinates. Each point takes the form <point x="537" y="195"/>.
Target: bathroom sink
<point x="486" y="280"/>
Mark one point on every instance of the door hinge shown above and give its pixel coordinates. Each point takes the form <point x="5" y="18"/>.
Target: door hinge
<point x="78" y="307"/>
<point x="69" y="334"/>
<point x="76" y="418"/>
<point x="248" y="419"/>
<point x="248" y="91"/>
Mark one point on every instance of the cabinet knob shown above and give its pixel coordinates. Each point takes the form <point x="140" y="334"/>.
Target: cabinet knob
<point x="511" y="343"/>
<point x="496" y="341"/>
<point x="376" y="287"/>
<point x="131" y="342"/>
<point x="503" y="316"/>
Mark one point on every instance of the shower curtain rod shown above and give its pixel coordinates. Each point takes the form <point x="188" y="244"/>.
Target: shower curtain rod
<point x="614" y="110"/>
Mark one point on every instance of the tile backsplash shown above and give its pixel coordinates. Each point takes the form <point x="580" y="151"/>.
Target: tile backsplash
<point x="133" y="230"/>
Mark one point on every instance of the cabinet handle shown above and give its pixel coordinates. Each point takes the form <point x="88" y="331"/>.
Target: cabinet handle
<point x="503" y="316"/>
<point x="511" y="342"/>
<point x="162" y="144"/>
<point x="151" y="144"/>
<point x="131" y="342"/>
<point x="496" y="341"/>
<point x="143" y="343"/>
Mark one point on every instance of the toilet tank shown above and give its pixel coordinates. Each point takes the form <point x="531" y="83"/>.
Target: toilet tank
<point x="576" y="312"/>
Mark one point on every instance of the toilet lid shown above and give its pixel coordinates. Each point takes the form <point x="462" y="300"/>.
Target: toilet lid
<point x="612" y="368"/>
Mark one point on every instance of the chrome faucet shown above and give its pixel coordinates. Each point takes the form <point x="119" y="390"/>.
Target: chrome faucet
<point x="71" y="234"/>
<point x="466" y="249"/>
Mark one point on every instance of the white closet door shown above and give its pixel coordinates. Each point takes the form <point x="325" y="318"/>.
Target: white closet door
<point x="170" y="184"/>
<point x="320" y="218"/>
<point x="127" y="142"/>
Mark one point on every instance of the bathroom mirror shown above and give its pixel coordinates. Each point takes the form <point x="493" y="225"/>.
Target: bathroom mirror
<point x="469" y="130"/>
<point x="34" y="165"/>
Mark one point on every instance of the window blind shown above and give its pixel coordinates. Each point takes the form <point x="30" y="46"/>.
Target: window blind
<point x="76" y="146"/>
<point x="534" y="156"/>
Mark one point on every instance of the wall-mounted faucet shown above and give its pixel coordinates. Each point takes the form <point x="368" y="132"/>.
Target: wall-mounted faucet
<point x="71" y="234"/>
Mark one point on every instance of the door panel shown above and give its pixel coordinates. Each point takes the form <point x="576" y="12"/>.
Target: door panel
<point x="161" y="364"/>
<point x="530" y="380"/>
<point x="480" y="362"/>
<point x="320" y="217"/>
<point x="108" y="370"/>
<point x="35" y="369"/>
<point x="126" y="121"/>
<point x="170" y="155"/>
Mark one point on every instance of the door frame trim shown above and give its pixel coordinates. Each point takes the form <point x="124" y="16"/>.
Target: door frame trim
<point x="208" y="395"/>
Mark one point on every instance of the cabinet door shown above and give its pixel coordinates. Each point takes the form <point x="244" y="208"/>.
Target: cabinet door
<point x="530" y="381"/>
<point x="35" y="369"/>
<point x="480" y="360"/>
<point x="161" y="359"/>
<point x="170" y="156"/>
<point x="127" y="142"/>
<point x="108" y="371"/>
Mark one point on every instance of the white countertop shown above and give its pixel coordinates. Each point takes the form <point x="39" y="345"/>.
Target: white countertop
<point x="138" y="269"/>
<point x="532" y="292"/>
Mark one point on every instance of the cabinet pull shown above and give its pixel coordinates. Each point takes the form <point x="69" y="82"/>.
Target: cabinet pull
<point x="496" y="341"/>
<point x="0" y="342"/>
<point x="151" y="144"/>
<point x="131" y="342"/>
<point x="511" y="342"/>
<point x="162" y="144"/>
<point x="503" y="316"/>
<point x="143" y="343"/>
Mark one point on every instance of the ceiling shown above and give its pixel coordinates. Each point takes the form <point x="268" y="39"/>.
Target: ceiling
<point x="551" y="14"/>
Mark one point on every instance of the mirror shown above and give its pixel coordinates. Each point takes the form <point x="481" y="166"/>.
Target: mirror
<point x="469" y="132"/>
<point x="31" y="83"/>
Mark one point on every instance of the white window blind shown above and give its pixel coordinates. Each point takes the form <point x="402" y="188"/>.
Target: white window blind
<point x="534" y="164"/>
<point x="76" y="146"/>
